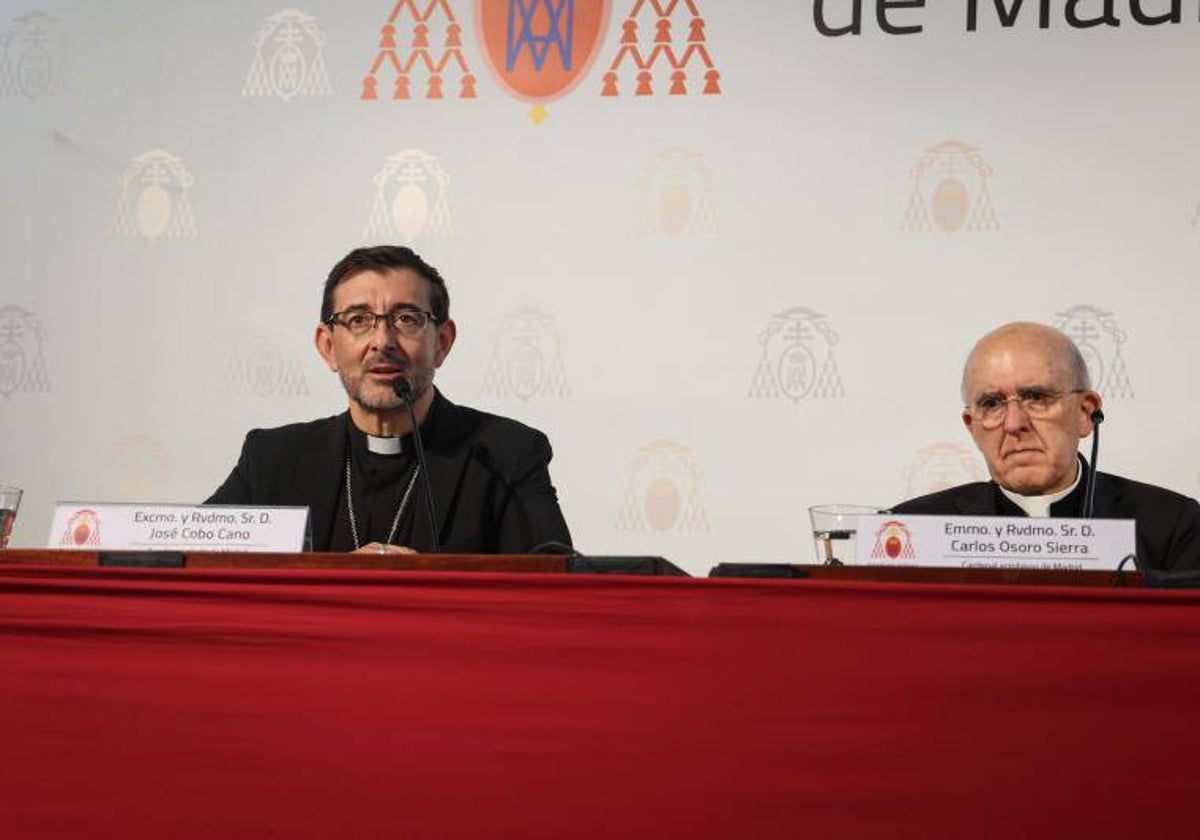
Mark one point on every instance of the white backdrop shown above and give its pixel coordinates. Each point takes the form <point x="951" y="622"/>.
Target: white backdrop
<point x="722" y="307"/>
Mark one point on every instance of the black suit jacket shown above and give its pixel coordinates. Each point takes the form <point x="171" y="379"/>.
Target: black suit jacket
<point x="1168" y="524"/>
<point x="490" y="478"/>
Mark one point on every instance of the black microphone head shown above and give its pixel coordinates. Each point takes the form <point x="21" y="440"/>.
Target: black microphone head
<point x="1097" y="417"/>
<point x="403" y="388"/>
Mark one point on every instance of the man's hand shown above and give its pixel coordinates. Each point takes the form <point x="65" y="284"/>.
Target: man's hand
<point x="384" y="548"/>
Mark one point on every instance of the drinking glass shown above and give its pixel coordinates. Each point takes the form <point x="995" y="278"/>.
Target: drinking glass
<point x="834" y="529"/>
<point x="10" y="500"/>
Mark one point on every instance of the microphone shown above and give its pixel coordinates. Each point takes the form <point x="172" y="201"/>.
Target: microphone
<point x="1089" y="497"/>
<point x="404" y="391"/>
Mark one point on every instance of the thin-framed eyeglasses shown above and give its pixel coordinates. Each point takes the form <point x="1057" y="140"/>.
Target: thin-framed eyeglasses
<point x="408" y="321"/>
<point x="991" y="409"/>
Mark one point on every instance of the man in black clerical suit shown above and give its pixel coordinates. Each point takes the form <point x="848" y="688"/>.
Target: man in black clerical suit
<point x="1028" y="401"/>
<point x="385" y="315"/>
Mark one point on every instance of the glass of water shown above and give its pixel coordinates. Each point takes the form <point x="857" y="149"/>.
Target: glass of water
<point x="10" y="500"/>
<point x="834" y="529"/>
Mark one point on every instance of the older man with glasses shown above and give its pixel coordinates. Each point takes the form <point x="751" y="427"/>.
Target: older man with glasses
<point x="385" y="329"/>
<point x="1028" y="401"/>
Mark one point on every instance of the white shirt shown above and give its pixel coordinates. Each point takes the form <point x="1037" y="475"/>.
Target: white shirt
<point x="1039" y="506"/>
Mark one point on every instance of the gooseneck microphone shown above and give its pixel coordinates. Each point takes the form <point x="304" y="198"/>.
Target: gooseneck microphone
<point x="1089" y="496"/>
<point x="404" y="391"/>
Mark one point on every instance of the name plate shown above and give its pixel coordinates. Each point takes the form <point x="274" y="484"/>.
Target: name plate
<point x="178" y="527"/>
<point x="993" y="542"/>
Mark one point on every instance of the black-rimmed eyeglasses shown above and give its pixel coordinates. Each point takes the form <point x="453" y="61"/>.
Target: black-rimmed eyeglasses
<point x="408" y="321"/>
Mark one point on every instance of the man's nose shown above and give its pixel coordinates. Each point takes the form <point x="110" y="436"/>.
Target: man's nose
<point x="1016" y="417"/>
<point x="384" y="333"/>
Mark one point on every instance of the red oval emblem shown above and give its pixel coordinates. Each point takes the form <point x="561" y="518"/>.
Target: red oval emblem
<point x="893" y="546"/>
<point x="540" y="49"/>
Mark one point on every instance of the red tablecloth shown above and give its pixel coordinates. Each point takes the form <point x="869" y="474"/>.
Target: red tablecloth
<point x="365" y="704"/>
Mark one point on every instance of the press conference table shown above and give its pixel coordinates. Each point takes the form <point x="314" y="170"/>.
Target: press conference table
<point x="325" y="702"/>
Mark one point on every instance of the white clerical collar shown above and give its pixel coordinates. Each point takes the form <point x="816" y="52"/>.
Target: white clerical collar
<point x="383" y="445"/>
<point x="1038" y="507"/>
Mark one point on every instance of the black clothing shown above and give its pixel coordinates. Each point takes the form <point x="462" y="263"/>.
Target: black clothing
<point x="1168" y="524"/>
<point x="490" y="477"/>
<point x="379" y="484"/>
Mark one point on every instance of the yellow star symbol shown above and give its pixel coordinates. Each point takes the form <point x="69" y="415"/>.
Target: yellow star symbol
<point x="537" y="113"/>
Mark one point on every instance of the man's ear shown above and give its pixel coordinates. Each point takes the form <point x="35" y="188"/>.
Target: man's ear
<point x="968" y="420"/>
<point x="323" y="339"/>
<point x="446" y="333"/>
<point x="1089" y="403"/>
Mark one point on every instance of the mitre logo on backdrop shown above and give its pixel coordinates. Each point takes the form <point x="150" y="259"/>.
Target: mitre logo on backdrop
<point x="30" y="51"/>
<point x="526" y="358"/>
<point x="893" y="541"/>
<point x="136" y="469"/>
<point x="797" y="358"/>
<point x="540" y="50"/>
<point x="950" y="191"/>
<point x="662" y="491"/>
<point x="940" y="466"/>
<point x="22" y="363"/>
<point x="288" y="58"/>
<point x="83" y="528"/>
<point x="1099" y="339"/>
<point x="257" y="367"/>
<point x="676" y="196"/>
<point x="152" y="198"/>
<point x="410" y="198"/>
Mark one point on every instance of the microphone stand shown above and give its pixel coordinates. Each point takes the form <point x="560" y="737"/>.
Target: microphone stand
<point x="403" y="389"/>
<point x="1089" y="496"/>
